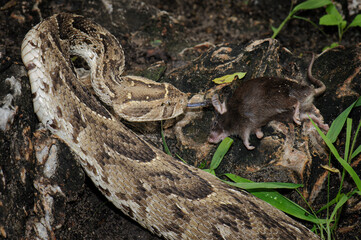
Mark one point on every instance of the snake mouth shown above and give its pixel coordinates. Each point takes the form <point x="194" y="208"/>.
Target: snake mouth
<point x="198" y="104"/>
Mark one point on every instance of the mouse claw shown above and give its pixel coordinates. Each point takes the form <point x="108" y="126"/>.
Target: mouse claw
<point x="245" y="138"/>
<point x="247" y="145"/>
<point x="250" y="147"/>
<point x="297" y="119"/>
<point x="324" y="126"/>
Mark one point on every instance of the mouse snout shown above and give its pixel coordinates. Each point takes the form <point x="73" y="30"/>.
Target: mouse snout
<point x="217" y="136"/>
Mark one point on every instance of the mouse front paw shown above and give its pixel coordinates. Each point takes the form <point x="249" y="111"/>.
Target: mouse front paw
<point x="248" y="145"/>
<point x="296" y="115"/>
<point x="324" y="126"/>
<point x="259" y="133"/>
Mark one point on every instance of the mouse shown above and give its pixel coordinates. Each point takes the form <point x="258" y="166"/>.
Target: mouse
<point x="258" y="101"/>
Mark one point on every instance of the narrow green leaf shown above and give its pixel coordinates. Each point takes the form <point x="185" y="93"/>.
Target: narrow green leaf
<point x="336" y="199"/>
<point x="279" y="201"/>
<point x="342" y="200"/>
<point x="356" y="152"/>
<point x="311" y="4"/>
<point x="329" y="204"/>
<point x="229" y="78"/>
<point x="220" y="152"/>
<point x="352" y="173"/>
<point x="236" y="178"/>
<point x="358" y="102"/>
<point x="327" y="141"/>
<point x="265" y="185"/>
<point x="181" y="158"/>
<point x="348" y="138"/>
<point x="339" y="122"/>
<point x="344" y="164"/>
<point x="356" y="21"/>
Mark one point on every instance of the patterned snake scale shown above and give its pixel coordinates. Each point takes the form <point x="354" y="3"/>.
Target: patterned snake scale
<point x="169" y="198"/>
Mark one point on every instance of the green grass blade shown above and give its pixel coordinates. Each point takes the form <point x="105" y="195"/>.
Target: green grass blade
<point x="236" y="178"/>
<point x="348" y="138"/>
<point x="327" y="141"/>
<point x="342" y="200"/>
<point x="181" y="158"/>
<point x="339" y="122"/>
<point x="264" y="185"/>
<point x="220" y="152"/>
<point x="329" y="204"/>
<point x="344" y="164"/>
<point x="279" y="201"/>
<point x="356" y="152"/>
<point x="352" y="173"/>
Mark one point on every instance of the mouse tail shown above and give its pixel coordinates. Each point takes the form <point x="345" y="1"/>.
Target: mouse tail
<point x="319" y="84"/>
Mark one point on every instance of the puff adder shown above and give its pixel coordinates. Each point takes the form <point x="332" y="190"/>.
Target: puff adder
<point x="167" y="197"/>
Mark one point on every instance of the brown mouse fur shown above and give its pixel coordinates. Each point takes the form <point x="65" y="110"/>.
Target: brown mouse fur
<point x="258" y="101"/>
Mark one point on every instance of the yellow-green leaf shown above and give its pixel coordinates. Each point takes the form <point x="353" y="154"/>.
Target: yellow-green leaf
<point x="330" y="169"/>
<point x="229" y="78"/>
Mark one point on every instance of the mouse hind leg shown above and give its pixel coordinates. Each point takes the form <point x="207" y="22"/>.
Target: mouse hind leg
<point x="245" y="138"/>
<point x="317" y="120"/>
<point x="259" y="133"/>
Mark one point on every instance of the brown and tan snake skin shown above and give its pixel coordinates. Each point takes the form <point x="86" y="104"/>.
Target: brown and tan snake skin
<point x="167" y="197"/>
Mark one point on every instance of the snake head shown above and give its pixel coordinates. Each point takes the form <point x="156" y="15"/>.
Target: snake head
<point x="140" y="99"/>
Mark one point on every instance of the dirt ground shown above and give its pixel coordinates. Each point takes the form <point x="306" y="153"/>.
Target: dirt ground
<point x="186" y="23"/>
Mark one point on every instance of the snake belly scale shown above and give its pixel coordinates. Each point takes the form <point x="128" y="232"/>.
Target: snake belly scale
<point x="169" y="198"/>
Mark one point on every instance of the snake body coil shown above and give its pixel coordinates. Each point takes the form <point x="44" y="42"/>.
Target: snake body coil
<point x="167" y="197"/>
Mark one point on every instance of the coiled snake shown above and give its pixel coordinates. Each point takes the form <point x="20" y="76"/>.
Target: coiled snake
<point x="169" y="198"/>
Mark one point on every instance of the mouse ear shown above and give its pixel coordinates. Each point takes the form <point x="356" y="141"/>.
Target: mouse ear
<point x="220" y="107"/>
